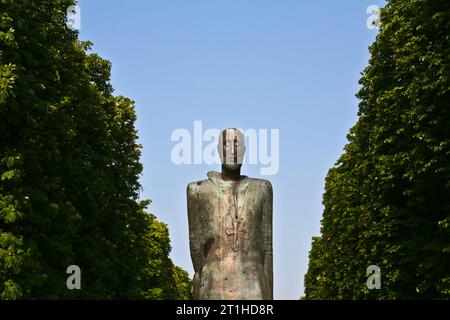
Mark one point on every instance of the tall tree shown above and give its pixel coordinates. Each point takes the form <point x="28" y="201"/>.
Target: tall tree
<point x="69" y="165"/>
<point x="387" y="200"/>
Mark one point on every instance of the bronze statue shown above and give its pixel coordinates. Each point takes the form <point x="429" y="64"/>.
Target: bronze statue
<point x="230" y="229"/>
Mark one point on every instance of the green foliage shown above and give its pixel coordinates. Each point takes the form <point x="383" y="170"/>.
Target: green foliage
<point x="166" y="280"/>
<point x="387" y="199"/>
<point x="69" y="170"/>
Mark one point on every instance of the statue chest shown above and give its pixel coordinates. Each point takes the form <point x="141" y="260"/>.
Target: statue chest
<point x="233" y="219"/>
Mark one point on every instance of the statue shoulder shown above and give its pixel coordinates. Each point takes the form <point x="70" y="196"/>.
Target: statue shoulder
<point x="266" y="185"/>
<point x="261" y="182"/>
<point x="197" y="187"/>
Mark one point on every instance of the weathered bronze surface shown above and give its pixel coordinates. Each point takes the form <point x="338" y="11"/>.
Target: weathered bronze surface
<point x="230" y="229"/>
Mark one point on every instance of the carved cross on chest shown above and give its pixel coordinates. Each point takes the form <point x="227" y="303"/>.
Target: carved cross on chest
<point x="237" y="224"/>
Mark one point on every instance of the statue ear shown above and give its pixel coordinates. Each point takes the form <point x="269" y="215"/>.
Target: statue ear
<point x="220" y="151"/>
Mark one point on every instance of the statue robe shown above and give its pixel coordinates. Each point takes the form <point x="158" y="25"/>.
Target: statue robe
<point x="230" y="237"/>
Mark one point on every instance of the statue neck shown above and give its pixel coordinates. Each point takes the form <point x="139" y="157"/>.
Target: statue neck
<point x="231" y="174"/>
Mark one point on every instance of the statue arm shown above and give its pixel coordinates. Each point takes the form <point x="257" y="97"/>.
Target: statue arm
<point x="268" y="256"/>
<point x="268" y="251"/>
<point x="194" y="241"/>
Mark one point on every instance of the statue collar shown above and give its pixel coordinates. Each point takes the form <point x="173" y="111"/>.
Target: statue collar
<point x="216" y="178"/>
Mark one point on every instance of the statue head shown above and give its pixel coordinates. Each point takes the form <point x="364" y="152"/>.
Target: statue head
<point x="231" y="148"/>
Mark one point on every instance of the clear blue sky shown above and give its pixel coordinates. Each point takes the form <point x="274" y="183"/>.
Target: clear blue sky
<point x="291" y="65"/>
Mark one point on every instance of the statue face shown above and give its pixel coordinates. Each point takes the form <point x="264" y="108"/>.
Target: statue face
<point x="231" y="148"/>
